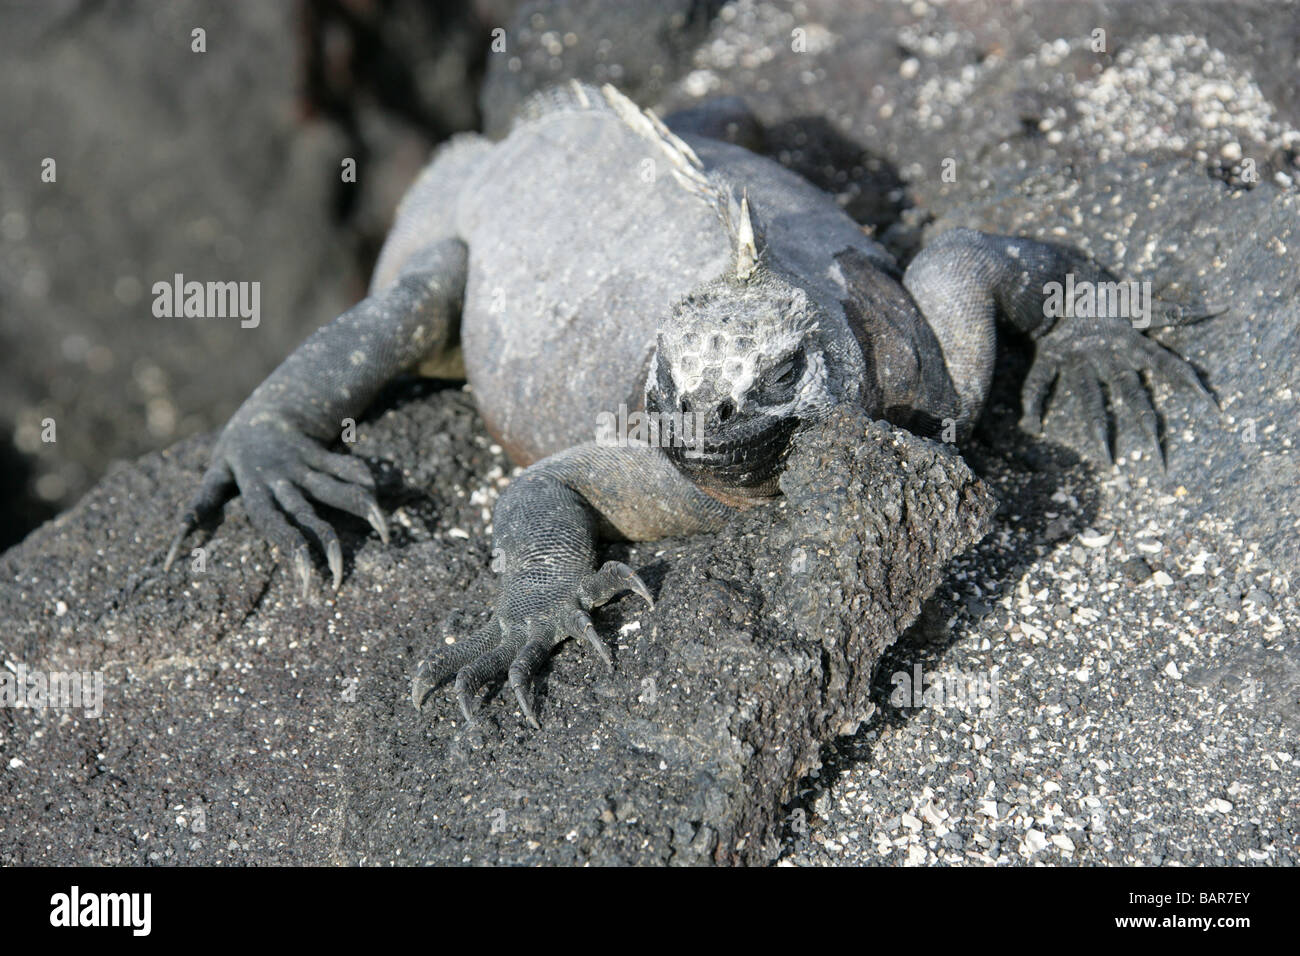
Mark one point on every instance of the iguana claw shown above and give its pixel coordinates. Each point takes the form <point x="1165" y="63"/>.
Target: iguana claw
<point x="376" y="519"/>
<point x="334" y="558"/>
<point x="519" y="648"/>
<point x="302" y="568"/>
<point x="613" y="578"/>
<point x="278" y="470"/>
<point x="1084" y="360"/>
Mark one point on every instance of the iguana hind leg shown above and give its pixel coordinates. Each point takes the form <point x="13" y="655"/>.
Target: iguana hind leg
<point x="965" y="280"/>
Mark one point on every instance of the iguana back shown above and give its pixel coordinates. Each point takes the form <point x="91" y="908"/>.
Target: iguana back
<point x="581" y="239"/>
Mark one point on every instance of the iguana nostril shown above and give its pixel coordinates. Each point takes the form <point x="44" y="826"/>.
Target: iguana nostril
<point x="686" y="407"/>
<point x="725" y="411"/>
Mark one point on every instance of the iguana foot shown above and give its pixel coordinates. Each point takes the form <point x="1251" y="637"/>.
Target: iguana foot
<point x="1114" y="354"/>
<point x="517" y="643"/>
<point x="274" y="466"/>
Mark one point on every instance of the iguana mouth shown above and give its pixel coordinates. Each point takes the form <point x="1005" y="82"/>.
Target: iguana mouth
<point x="747" y="462"/>
<point x="735" y="454"/>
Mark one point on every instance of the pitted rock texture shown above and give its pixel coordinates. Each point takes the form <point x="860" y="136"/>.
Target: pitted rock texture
<point x="241" y="725"/>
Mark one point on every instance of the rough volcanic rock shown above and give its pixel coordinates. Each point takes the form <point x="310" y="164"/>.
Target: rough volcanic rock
<point x="242" y="725"/>
<point x="640" y="47"/>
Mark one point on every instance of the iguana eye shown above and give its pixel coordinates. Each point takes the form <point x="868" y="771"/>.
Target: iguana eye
<point x="788" y="372"/>
<point x="779" y="380"/>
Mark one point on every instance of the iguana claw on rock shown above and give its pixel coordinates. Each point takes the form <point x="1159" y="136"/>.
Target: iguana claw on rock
<point x="594" y="261"/>
<point x="495" y="646"/>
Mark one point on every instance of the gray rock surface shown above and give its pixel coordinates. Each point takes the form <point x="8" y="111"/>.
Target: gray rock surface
<point x="221" y="165"/>
<point x="1145" y="658"/>
<point x="856" y="89"/>
<point x="284" y="731"/>
<point x="642" y="48"/>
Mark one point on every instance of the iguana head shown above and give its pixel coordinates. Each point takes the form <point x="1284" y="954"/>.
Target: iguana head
<point x="738" y="368"/>
<point x="739" y="363"/>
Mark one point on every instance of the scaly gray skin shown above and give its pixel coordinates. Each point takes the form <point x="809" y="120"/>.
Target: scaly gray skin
<point x="593" y="258"/>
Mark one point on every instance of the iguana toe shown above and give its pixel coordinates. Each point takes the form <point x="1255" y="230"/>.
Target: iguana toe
<point x="354" y="497"/>
<point x="614" y="577"/>
<point x="1033" y="396"/>
<point x="1082" y="381"/>
<point x="1175" y="314"/>
<point x="1127" y="386"/>
<point x="432" y="672"/>
<point x="577" y="624"/>
<point x="291" y="501"/>
<point x="526" y="664"/>
<point x="1176" y="370"/>
<point x="471" y="678"/>
<point x="214" y="489"/>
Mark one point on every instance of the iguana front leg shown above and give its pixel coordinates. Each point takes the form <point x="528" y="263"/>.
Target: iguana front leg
<point x="964" y="280"/>
<point x="544" y="544"/>
<point x="273" y="448"/>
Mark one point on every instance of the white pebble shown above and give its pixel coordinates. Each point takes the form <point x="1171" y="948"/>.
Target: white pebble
<point x="1064" y="842"/>
<point x="1090" y="538"/>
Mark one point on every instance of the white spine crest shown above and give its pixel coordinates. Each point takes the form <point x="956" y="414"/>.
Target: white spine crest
<point x="690" y="174"/>
<point x="746" y="249"/>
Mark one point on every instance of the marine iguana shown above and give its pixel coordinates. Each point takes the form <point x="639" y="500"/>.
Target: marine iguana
<point x="593" y="258"/>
